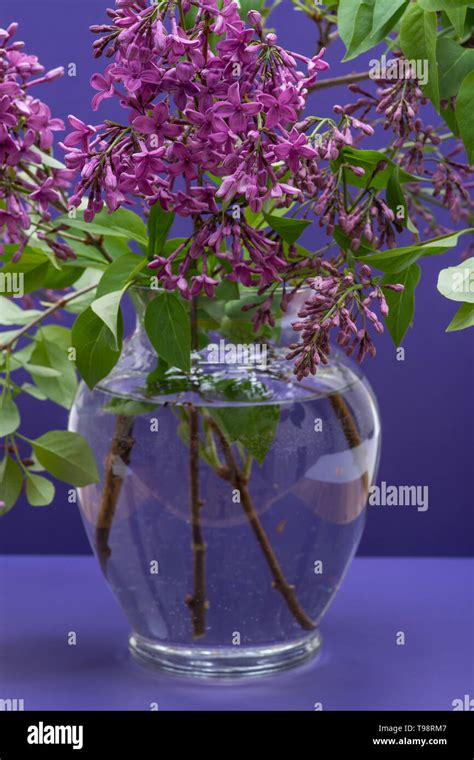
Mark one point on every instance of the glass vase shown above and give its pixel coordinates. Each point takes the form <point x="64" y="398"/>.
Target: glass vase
<point x="232" y="498"/>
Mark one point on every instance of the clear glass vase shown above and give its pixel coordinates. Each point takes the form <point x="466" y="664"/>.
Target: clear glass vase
<point x="231" y="501"/>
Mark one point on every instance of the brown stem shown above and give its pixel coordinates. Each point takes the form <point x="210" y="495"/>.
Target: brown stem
<point x="99" y="244"/>
<point x="118" y="457"/>
<point x="323" y="84"/>
<point x="279" y="581"/>
<point x="197" y="603"/>
<point x="349" y="427"/>
<point x="324" y="28"/>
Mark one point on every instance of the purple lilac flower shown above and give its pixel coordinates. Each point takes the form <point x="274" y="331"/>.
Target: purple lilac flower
<point x="399" y="103"/>
<point x="27" y="188"/>
<point x="197" y="112"/>
<point x="337" y="305"/>
<point x="234" y="112"/>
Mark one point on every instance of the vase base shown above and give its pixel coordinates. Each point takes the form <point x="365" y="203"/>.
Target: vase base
<point x="224" y="662"/>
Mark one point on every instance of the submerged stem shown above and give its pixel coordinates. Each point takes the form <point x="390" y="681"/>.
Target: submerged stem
<point x="117" y="459"/>
<point x="349" y="428"/>
<point x="197" y="603"/>
<point x="280" y="583"/>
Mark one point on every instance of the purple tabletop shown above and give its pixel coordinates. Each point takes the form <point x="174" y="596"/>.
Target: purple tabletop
<point x="361" y="666"/>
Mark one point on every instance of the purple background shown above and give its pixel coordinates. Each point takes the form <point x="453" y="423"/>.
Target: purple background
<point x="360" y="666"/>
<point x="426" y="401"/>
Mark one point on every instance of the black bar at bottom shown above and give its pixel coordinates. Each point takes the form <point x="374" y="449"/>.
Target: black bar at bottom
<point x="138" y="734"/>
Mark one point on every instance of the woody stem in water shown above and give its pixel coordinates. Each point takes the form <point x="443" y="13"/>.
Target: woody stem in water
<point x="197" y="603"/>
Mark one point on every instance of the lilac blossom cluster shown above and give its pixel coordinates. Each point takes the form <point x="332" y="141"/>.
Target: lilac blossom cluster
<point x="399" y="104"/>
<point x="197" y="112"/>
<point x="322" y="185"/>
<point x="215" y="130"/>
<point x="27" y="186"/>
<point x="338" y="304"/>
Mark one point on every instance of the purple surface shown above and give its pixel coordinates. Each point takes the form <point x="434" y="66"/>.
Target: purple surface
<point x="361" y="666"/>
<point x="425" y="401"/>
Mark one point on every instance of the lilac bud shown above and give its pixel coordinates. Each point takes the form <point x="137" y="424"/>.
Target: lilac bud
<point x="255" y="20"/>
<point x="358" y="170"/>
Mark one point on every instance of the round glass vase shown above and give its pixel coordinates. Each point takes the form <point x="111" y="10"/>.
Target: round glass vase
<point x="232" y="498"/>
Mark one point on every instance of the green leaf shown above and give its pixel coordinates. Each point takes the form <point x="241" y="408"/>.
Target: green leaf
<point x="126" y="221"/>
<point x="288" y="229"/>
<point x="443" y="5"/>
<point x="29" y="273"/>
<point x="398" y="259"/>
<point x="81" y="303"/>
<point x="11" y="481"/>
<point x="401" y="305"/>
<point x="57" y="334"/>
<point x="169" y="330"/>
<point x="159" y="225"/>
<point x="449" y="116"/>
<point x="464" y="115"/>
<point x="32" y="390"/>
<point x="67" y="457"/>
<point x="9" y="415"/>
<point x="37" y="369"/>
<point x="100" y="229"/>
<point x="418" y="38"/>
<point x="454" y="62"/>
<point x="253" y="426"/>
<point x="39" y="491"/>
<point x="88" y="256"/>
<point x="119" y="273"/>
<point x="369" y="160"/>
<point x="387" y="13"/>
<point x="5" y="336"/>
<point x="457" y="283"/>
<point x="365" y="23"/>
<point x="63" y="279"/>
<point x="227" y="291"/>
<point x="12" y="314"/>
<point x="111" y="289"/>
<point x="51" y="349"/>
<point x="9" y="249"/>
<point x="463" y="318"/>
<point x="107" y="308"/>
<point x="457" y="17"/>
<point x="96" y="354"/>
